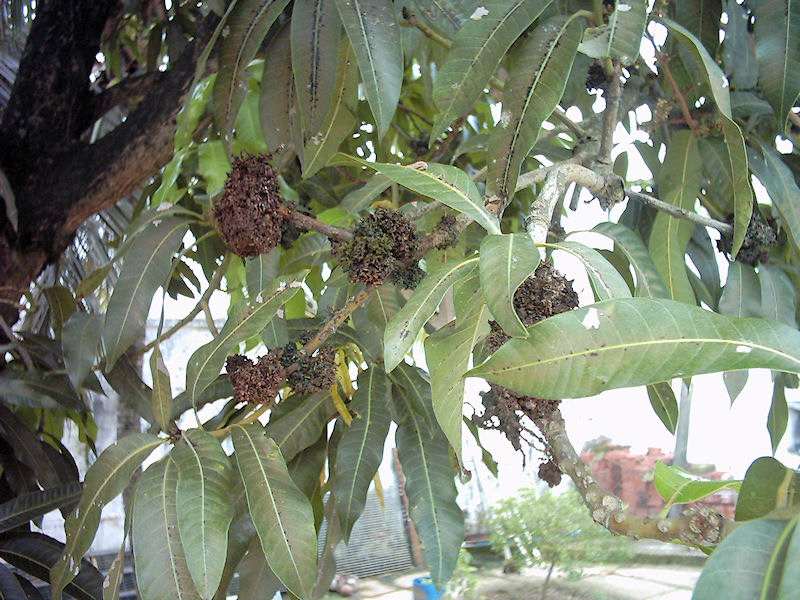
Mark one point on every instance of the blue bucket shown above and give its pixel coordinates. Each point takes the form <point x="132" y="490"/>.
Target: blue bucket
<point x="425" y="585"/>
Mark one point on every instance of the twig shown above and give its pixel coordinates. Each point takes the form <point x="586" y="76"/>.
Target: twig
<point x="311" y="224"/>
<point x="336" y="320"/>
<point x="209" y="318"/>
<point x="663" y="62"/>
<point x="561" y="115"/>
<point x="680" y="213"/>
<point x="412" y="21"/>
<point x="442" y="148"/>
<point x="23" y="352"/>
<point x="417" y="114"/>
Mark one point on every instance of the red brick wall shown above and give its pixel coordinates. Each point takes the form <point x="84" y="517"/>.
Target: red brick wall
<point x="630" y="476"/>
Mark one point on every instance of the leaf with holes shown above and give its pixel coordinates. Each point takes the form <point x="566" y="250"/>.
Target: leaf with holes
<point x="635" y="341"/>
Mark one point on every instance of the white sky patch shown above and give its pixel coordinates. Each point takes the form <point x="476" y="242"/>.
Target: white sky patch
<point x="479" y="13"/>
<point x="592" y="319"/>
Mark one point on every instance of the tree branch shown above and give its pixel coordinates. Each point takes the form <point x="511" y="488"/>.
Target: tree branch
<point x="680" y="213"/>
<point x="613" y="95"/>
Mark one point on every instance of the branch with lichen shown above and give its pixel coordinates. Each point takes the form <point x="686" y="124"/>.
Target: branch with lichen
<point x="332" y="324"/>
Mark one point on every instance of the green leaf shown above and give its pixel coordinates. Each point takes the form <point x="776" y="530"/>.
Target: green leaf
<point x="79" y="345"/>
<point x="411" y="393"/>
<point x="678" y="184"/>
<point x="778" y="416"/>
<point x="360" y="450"/>
<point x="256" y="579"/>
<point x="648" y="282"/>
<point x="281" y="513"/>
<point x="206" y="362"/>
<point x="212" y="161"/>
<point x="300" y="425"/>
<point x="27" y="447"/>
<point x="261" y="271"/>
<point x="741" y="296"/>
<point x="737" y="156"/>
<point x="246" y="28"/>
<point x="10" y="587"/>
<point x="734" y="383"/>
<point x="61" y="305"/>
<point x="664" y="404"/>
<point x="767" y="486"/>
<point x="449" y="185"/>
<point x="92" y="281"/>
<point x="738" y="50"/>
<point x="374" y="34"/>
<point x="779" y="180"/>
<point x="310" y="250"/>
<point x="194" y="106"/>
<point x="36" y="553"/>
<point x="21" y="509"/>
<point x="477" y="50"/>
<point x="432" y="496"/>
<point x="606" y="281"/>
<point x="505" y="262"/>
<point x="145" y="268"/>
<point x="338" y="121"/>
<point x="678" y="486"/>
<point x="125" y="380"/>
<point x="753" y="562"/>
<point x="248" y="136"/>
<point x="34" y="389"/>
<point x="315" y="34"/>
<point x="169" y="178"/>
<point x="161" y="569"/>
<point x="403" y="328"/>
<point x="776" y="35"/>
<point x="360" y="197"/>
<point x="621" y="36"/>
<point x="702" y="18"/>
<point x="276" y="102"/>
<point x="104" y="481"/>
<point x="113" y="579"/>
<point x="535" y="85"/>
<point x="635" y="341"/>
<point x="204" y="507"/>
<point x="162" y="390"/>
<point x="778" y="296"/>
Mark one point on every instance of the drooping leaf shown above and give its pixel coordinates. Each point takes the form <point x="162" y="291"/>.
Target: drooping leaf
<point x="449" y="185"/>
<point x="21" y="509"/>
<point x="305" y="468"/>
<point x="403" y="328"/>
<point x="621" y="36"/>
<point x="310" y="250"/>
<point x="374" y="35"/>
<point x="677" y="486"/>
<point x="477" y="50"/>
<point x="648" y="282"/>
<point x="144" y="270"/>
<point x="360" y="450"/>
<point x="161" y="569"/>
<point x="277" y="100"/>
<point x="778" y="416"/>
<point x="315" y="35"/>
<point x="212" y="161"/>
<point x="162" y="390"/>
<point x="300" y="425"/>
<point x="734" y="383"/>
<point x="360" y="197"/>
<point x="36" y="390"/>
<point x="606" y="281"/>
<point x="678" y="184"/>
<point x="246" y="28"/>
<point x="36" y="553"/>
<point x="10" y="588"/>
<point x="779" y="180"/>
<point x="204" y="508"/>
<point x="281" y="513"/>
<point x="505" y="262"/>
<point x="113" y="580"/>
<point x="104" y="481"/>
<point x="635" y="341"/>
<point x="27" y="447"/>
<point x="767" y="486"/>
<point x="411" y="392"/>
<point x="752" y="562"/>
<point x="79" y="345"/>
<point x="135" y="393"/>
<point x="702" y="252"/>
<point x="338" y="121"/>
<point x="776" y="34"/>
<point x="738" y="49"/>
<point x="431" y="495"/>
<point x="741" y="296"/>
<point x="778" y="296"/>
<point x="702" y="18"/>
<point x="737" y="156"/>
<point x="664" y="404"/>
<point x="256" y="579"/>
<point x="206" y="362"/>
<point x="535" y="85"/>
<point x="61" y="305"/>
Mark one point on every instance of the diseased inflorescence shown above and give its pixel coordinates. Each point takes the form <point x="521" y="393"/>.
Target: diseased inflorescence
<point x="761" y="234"/>
<point x="257" y="382"/>
<point x="314" y="373"/>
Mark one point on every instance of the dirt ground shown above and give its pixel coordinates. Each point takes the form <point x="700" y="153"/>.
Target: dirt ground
<point x="516" y="587"/>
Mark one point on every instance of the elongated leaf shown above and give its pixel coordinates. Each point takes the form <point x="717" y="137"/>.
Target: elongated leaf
<point x="776" y="35"/>
<point x="449" y="185"/>
<point x="734" y="383"/>
<point x="374" y="34"/>
<point x="338" y="121"/>
<point x="678" y="486"/>
<point x="505" y="262"/>
<point x="741" y="296"/>
<point x="432" y="496"/>
<point x="162" y="390"/>
<point x="206" y="362"/>
<point x="27" y="447"/>
<point x="204" y="507"/>
<point x="21" y="509"/>
<point x="411" y="391"/>
<point x="738" y="50"/>
<point x="36" y="553"/>
<point x="606" y="281"/>
<point x="212" y="161"/>
<point x="535" y="86"/>
<point x="778" y="297"/>
<point x="104" y="481"/>
<point x="779" y="180"/>
<point x="256" y="579"/>
<point x="135" y="393"/>
<point x="664" y="404"/>
<point x="315" y="34"/>
<point x="702" y="18"/>
<point x="635" y="341"/>
<point x="360" y="450"/>
<point x="281" y="513"/>
<point x="36" y="390"/>
<point x="778" y="416"/>
<point x="751" y="563"/>
<point x="276" y="102"/>
<point x="405" y="325"/>
<point x="648" y="282"/>
<point x="161" y="569"/>
<point x="621" y="36"/>
<point x="299" y="427"/>
<point x="261" y="271"/>
<point x="10" y="588"/>
<point x="767" y="486"/>
<point x="61" y="305"/>
<point x="737" y="156"/>
<point x="143" y="271"/>
<point x="79" y="344"/>
<point x="477" y="50"/>
<point x="113" y="580"/>
<point x="359" y="198"/>
<point x="310" y="250"/>
<point x="678" y="183"/>
<point x="246" y="28"/>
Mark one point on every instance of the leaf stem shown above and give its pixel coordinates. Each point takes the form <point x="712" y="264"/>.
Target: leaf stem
<point x="411" y="20"/>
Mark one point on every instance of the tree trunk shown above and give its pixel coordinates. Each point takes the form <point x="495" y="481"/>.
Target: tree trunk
<point x="543" y="595"/>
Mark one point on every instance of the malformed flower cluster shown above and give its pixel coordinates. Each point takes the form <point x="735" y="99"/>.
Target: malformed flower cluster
<point x="258" y="382"/>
